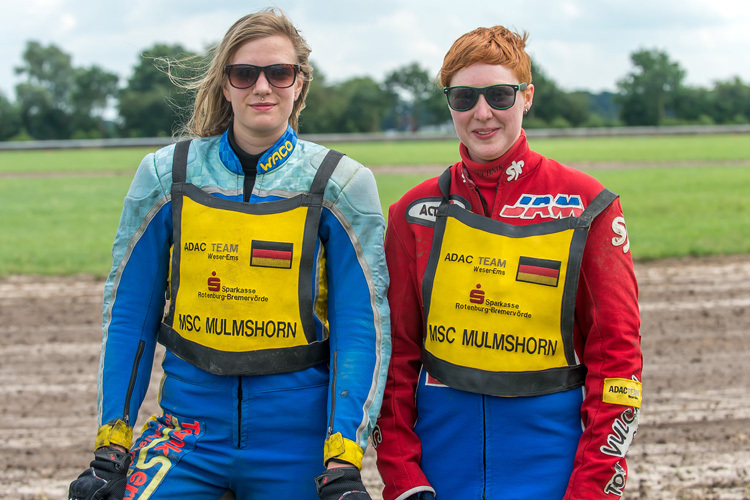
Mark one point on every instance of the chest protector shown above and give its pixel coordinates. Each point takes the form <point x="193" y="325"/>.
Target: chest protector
<point x="499" y="301"/>
<point x="242" y="278"/>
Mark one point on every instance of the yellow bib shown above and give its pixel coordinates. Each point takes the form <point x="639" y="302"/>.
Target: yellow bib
<point x="242" y="300"/>
<point x="500" y="299"/>
<point x="239" y="287"/>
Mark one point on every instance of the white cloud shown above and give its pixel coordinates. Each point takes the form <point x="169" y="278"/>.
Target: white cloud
<point x="579" y="44"/>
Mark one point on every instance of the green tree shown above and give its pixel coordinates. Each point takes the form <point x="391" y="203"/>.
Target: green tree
<point x="650" y="90"/>
<point x="365" y="105"/>
<point x="44" y="98"/>
<point x="356" y="105"/>
<point x="553" y="107"/>
<point x="418" y="97"/>
<point x="92" y="91"/>
<point x="732" y="101"/>
<point x="10" y="119"/>
<point x="317" y="116"/>
<point x="694" y="105"/>
<point x="56" y="97"/>
<point x="151" y="104"/>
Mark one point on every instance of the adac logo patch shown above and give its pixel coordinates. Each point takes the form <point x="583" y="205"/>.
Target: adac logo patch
<point x="279" y="152"/>
<point x="621" y="391"/>
<point x="423" y="211"/>
<point x="544" y="206"/>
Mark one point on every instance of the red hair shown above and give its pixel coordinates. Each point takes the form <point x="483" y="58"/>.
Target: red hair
<point x="496" y="45"/>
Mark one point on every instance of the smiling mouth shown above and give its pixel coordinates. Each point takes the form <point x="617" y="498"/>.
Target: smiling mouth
<point x="485" y="132"/>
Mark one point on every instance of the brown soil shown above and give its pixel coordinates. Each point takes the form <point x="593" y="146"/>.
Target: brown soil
<point x="693" y="442"/>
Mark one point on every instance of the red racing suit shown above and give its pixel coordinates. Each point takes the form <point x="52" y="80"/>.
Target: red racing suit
<point x="484" y="446"/>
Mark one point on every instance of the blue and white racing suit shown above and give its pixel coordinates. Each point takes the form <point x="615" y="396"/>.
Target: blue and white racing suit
<point x="262" y="435"/>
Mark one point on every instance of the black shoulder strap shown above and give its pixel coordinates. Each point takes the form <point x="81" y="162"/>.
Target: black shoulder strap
<point x="327" y="166"/>
<point x="444" y="182"/>
<point x="179" y="161"/>
<point x="597" y="206"/>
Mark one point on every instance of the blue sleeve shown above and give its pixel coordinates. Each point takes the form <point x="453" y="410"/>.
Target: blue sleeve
<point x="134" y="295"/>
<point x="352" y="231"/>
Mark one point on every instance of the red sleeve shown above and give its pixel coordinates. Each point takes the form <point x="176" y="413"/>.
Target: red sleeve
<point x="399" y="454"/>
<point x="609" y="344"/>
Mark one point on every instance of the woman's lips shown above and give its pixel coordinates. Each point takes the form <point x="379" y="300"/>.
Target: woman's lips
<point x="485" y="133"/>
<point x="262" y="106"/>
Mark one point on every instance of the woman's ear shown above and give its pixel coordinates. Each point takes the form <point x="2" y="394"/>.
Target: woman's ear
<point x="528" y="98"/>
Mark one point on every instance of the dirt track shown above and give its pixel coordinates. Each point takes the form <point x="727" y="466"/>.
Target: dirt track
<point x="693" y="442"/>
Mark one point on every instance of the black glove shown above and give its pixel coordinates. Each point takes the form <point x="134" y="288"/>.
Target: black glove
<point x="105" y="479"/>
<point x="344" y="483"/>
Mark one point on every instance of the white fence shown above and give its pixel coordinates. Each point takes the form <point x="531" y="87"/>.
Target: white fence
<point x="157" y="142"/>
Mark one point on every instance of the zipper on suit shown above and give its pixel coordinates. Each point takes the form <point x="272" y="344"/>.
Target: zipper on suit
<point x="333" y="396"/>
<point x="133" y="377"/>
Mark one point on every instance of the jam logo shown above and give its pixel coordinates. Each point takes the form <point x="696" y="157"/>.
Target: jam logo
<point x="214" y="283"/>
<point x="544" y="206"/>
<point x="476" y="296"/>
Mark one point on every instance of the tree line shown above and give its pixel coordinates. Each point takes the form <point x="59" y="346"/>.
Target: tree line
<point x="56" y="100"/>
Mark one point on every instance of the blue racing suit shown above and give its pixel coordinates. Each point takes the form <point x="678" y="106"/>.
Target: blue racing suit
<point x="262" y="435"/>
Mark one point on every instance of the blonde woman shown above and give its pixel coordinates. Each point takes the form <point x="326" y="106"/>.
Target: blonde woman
<point x="267" y="252"/>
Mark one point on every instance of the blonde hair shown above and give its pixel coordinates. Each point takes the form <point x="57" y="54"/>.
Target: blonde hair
<point x="212" y="113"/>
<point x="495" y="45"/>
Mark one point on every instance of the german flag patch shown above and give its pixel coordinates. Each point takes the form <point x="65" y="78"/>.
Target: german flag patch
<point x="271" y="254"/>
<point x="538" y="271"/>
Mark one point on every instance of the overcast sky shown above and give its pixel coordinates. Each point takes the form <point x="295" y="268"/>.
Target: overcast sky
<point x="580" y="44"/>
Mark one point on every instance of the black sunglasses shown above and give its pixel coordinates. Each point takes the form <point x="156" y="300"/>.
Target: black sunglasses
<point x="243" y="76"/>
<point x="502" y="96"/>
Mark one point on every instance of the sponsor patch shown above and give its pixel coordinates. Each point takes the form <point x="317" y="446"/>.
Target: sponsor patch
<point x="271" y="254"/>
<point x="376" y="437"/>
<point x="278" y="154"/>
<point x="618" y="226"/>
<point x="544" y="206"/>
<point x="621" y="391"/>
<point x="538" y="271"/>
<point x="623" y="431"/>
<point x="616" y="485"/>
<point x="514" y="170"/>
<point x="162" y="444"/>
<point x="424" y="210"/>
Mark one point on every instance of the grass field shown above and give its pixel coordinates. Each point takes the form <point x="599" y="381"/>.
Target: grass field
<point x="682" y="195"/>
